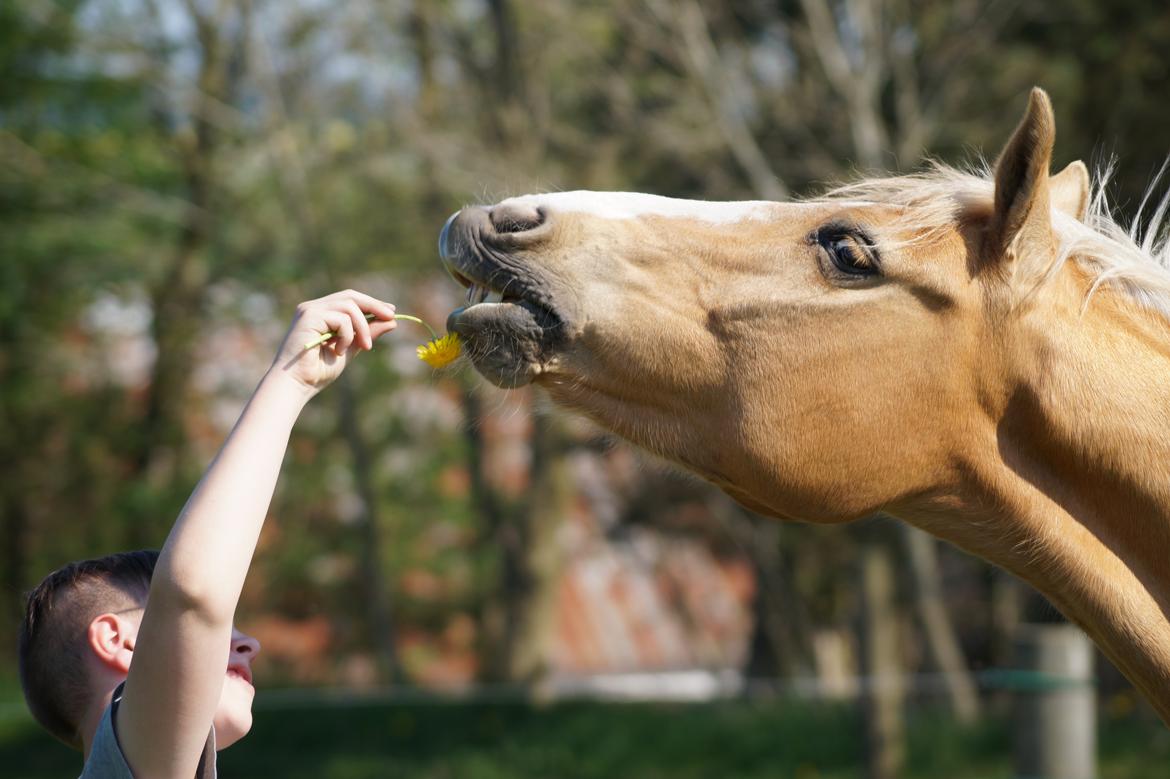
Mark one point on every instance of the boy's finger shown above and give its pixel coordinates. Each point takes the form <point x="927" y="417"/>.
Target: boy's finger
<point x="361" y="327"/>
<point x="380" y="327"/>
<point x="339" y="322"/>
<point x="368" y="304"/>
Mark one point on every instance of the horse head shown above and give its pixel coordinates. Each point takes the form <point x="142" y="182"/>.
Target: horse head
<point x="820" y="359"/>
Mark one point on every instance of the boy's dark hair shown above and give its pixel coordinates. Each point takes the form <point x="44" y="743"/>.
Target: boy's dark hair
<point x="53" y="633"/>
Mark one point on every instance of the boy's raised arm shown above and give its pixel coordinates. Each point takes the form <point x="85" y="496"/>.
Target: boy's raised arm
<point x="181" y="653"/>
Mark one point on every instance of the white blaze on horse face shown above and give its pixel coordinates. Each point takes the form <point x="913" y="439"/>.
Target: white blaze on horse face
<point x="629" y="205"/>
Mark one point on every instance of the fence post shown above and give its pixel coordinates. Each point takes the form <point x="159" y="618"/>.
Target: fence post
<point x="1055" y="704"/>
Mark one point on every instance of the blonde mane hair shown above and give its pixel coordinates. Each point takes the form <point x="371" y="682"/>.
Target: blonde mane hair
<point x="1135" y="260"/>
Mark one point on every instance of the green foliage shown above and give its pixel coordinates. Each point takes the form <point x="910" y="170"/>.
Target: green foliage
<point x="437" y="740"/>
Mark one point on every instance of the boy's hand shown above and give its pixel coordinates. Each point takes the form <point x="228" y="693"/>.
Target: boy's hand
<point x="343" y="313"/>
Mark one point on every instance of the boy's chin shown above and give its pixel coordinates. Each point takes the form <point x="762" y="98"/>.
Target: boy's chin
<point x="231" y="728"/>
<point x="233" y="720"/>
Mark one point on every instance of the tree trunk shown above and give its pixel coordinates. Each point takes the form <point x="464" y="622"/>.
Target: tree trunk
<point x="882" y="696"/>
<point x="1007" y="609"/>
<point x="177" y="300"/>
<point x="941" y="641"/>
<point x="492" y="614"/>
<point x="14" y="530"/>
<point x="420" y="24"/>
<point x="510" y="85"/>
<point x="534" y="608"/>
<point x="781" y="642"/>
<point x="314" y="256"/>
<point x="516" y="618"/>
<point x="377" y="592"/>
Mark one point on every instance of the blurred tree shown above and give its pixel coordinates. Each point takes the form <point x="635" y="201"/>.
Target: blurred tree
<point x="187" y="119"/>
<point x="80" y="196"/>
<point x="28" y="310"/>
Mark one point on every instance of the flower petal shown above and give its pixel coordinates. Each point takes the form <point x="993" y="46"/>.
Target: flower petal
<point x="441" y="351"/>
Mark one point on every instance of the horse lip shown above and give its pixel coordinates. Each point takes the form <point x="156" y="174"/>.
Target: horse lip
<point x="446" y="255"/>
<point x="443" y="251"/>
<point x="509" y="344"/>
<point x="469" y="259"/>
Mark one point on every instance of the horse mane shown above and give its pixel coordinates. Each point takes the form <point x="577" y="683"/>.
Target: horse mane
<point x="1133" y="259"/>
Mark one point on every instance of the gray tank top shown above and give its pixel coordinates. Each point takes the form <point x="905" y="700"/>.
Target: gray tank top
<point x="105" y="756"/>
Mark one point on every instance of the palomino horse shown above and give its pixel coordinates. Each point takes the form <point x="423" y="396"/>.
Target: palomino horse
<point x="985" y="357"/>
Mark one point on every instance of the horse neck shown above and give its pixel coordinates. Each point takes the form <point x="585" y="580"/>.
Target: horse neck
<point x="1089" y="424"/>
<point x="1076" y="491"/>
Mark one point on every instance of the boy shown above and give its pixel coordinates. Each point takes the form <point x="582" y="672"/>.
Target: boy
<point x="163" y="715"/>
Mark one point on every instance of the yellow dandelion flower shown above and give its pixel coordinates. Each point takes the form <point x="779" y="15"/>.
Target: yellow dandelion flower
<point x="441" y="352"/>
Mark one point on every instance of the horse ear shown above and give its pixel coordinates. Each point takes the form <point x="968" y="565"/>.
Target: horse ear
<point x="1021" y="225"/>
<point x="1070" y="190"/>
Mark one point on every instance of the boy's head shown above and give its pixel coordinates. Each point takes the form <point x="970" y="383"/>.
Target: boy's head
<point x="63" y="635"/>
<point x="54" y="667"/>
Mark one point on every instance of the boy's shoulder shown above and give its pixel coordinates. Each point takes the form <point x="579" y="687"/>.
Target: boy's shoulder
<point x="106" y="760"/>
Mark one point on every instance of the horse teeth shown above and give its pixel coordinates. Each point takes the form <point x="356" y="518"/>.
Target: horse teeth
<point x="494" y="297"/>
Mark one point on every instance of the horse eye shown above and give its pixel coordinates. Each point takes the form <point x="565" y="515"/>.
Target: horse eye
<point x="849" y="255"/>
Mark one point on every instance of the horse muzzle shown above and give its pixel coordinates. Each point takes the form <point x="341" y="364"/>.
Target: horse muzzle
<point x="512" y="324"/>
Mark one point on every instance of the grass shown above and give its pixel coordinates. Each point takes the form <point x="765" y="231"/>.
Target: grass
<point x="751" y="740"/>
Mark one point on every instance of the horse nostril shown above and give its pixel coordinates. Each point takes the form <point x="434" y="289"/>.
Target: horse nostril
<point x="516" y="217"/>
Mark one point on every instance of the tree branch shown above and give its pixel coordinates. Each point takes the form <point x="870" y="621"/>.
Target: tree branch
<point x="706" y="66"/>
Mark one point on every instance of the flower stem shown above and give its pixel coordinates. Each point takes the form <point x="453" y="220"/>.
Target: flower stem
<point x="409" y="318"/>
<point x="324" y="337"/>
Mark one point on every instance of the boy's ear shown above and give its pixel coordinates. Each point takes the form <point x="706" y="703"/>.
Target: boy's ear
<point x="1021" y="226"/>
<point x="111" y="638"/>
<point x="1070" y="190"/>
